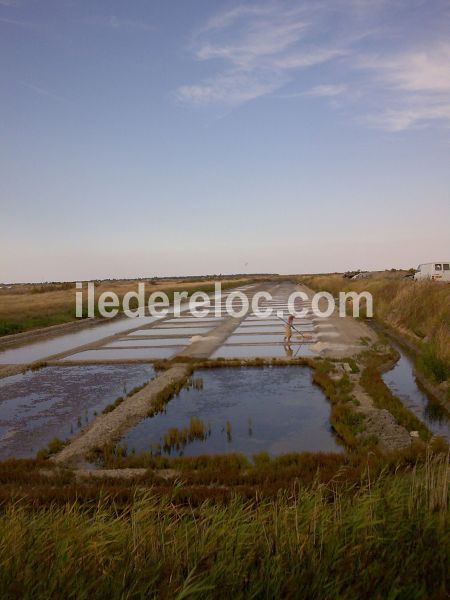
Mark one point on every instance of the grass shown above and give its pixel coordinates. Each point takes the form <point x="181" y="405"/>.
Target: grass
<point x="432" y="363"/>
<point x="346" y="422"/>
<point x="385" y="535"/>
<point x="28" y="307"/>
<point x="418" y="311"/>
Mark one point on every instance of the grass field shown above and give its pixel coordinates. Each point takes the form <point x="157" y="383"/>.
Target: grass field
<point x="30" y="306"/>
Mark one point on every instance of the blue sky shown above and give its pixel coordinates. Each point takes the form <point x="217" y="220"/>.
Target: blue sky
<point x="194" y="136"/>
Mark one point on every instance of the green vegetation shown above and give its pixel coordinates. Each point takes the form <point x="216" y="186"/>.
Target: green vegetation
<point x="14" y="325"/>
<point x="348" y="424"/>
<point x="385" y="535"/>
<point x="54" y="446"/>
<point x="432" y="364"/>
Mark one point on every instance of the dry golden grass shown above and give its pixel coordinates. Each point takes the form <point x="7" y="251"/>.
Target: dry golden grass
<point x="28" y="306"/>
<point x="417" y="310"/>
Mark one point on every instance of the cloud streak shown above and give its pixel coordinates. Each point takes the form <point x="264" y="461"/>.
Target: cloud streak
<point x="416" y="86"/>
<point x="255" y="50"/>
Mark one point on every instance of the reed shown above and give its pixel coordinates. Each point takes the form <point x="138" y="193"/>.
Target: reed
<point x="385" y="537"/>
<point x="177" y="439"/>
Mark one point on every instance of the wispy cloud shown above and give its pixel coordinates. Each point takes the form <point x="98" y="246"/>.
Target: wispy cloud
<point x="427" y="70"/>
<point x="416" y="86"/>
<point x="41" y="91"/>
<point x="417" y="114"/>
<point x="259" y="49"/>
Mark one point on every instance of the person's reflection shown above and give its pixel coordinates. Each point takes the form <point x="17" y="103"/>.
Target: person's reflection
<point x="288" y="349"/>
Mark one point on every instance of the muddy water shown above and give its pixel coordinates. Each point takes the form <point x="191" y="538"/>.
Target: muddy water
<point x="402" y="382"/>
<point x="275" y="410"/>
<point x="36" y="407"/>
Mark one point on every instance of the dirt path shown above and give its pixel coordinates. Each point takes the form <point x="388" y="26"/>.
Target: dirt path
<point x="337" y="336"/>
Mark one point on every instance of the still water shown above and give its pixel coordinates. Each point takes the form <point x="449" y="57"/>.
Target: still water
<point x="247" y="410"/>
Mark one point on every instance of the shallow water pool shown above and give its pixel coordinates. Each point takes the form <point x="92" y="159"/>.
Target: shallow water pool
<point x="402" y="382"/>
<point x="36" y="407"/>
<point x="248" y="410"/>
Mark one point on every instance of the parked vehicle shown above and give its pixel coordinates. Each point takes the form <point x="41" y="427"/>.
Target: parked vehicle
<point x="440" y="271"/>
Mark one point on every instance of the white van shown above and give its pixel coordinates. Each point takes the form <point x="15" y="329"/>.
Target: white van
<point x="440" y="271"/>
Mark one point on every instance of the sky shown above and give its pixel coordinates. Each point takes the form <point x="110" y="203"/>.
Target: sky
<point x="176" y="137"/>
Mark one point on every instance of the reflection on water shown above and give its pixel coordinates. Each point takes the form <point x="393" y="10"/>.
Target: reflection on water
<point x="248" y="410"/>
<point x="36" y="407"/>
<point x="403" y="384"/>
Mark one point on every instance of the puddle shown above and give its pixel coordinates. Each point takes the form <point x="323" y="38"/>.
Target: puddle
<point x="36" y="407"/>
<point x="274" y="410"/>
<point x="124" y="354"/>
<point x="402" y="382"/>
<point x="263" y="351"/>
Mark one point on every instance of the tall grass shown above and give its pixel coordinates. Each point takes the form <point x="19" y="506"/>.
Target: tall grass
<point x="418" y="310"/>
<point x="386" y="537"/>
